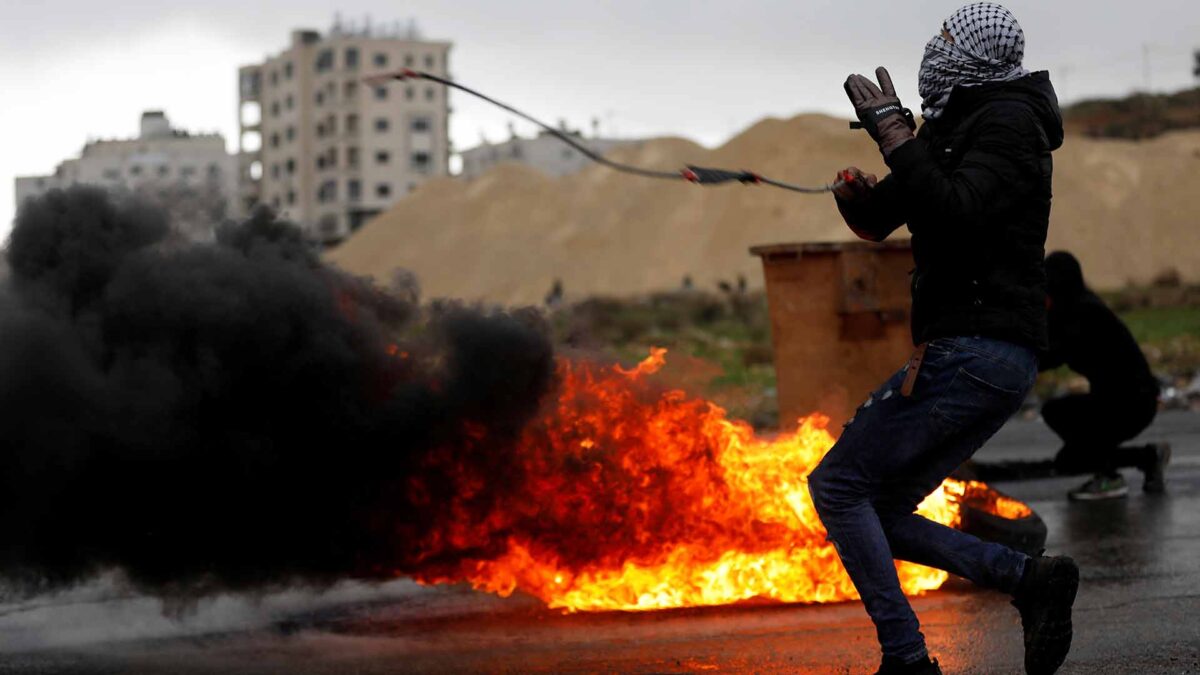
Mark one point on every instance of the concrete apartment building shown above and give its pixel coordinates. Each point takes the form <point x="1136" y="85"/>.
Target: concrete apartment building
<point x="543" y="152"/>
<point x="191" y="175"/>
<point x="328" y="151"/>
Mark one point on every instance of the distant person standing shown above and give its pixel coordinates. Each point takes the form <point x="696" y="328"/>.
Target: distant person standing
<point x="1087" y="337"/>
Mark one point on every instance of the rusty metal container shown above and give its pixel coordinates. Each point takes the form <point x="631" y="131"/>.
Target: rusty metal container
<point x="839" y="322"/>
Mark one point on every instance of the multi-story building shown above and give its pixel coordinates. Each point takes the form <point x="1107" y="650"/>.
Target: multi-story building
<point x="543" y="152"/>
<point x="193" y="176"/>
<point x="327" y="150"/>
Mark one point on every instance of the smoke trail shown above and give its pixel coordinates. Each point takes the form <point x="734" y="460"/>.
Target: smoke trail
<point x="235" y="415"/>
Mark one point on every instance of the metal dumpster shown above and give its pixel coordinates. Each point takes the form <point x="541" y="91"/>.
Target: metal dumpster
<point x="839" y="322"/>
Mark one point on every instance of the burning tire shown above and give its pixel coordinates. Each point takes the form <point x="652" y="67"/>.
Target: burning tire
<point x="993" y="516"/>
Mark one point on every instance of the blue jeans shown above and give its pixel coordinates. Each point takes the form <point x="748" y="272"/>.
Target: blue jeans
<point x="894" y="452"/>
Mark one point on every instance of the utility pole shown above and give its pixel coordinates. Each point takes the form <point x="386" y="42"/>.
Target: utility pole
<point x="1146" y="66"/>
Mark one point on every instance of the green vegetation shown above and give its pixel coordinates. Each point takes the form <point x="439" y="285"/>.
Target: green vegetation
<point x="720" y="344"/>
<point x="1157" y="325"/>
<point x="1136" y="116"/>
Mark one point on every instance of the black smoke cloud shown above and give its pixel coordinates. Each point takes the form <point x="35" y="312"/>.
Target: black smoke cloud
<point x="233" y="416"/>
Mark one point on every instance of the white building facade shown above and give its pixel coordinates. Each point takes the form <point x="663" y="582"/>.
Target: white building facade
<point x="191" y="175"/>
<point x="543" y="152"/>
<point x="328" y="151"/>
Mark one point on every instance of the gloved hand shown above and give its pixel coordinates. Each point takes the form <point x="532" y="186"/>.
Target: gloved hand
<point x="852" y="184"/>
<point x="879" y="110"/>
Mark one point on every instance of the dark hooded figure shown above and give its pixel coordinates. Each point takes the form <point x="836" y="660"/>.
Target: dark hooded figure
<point x="973" y="188"/>
<point x="1087" y="337"/>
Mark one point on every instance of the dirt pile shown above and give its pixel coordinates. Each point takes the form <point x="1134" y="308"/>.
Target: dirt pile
<point x="1127" y="209"/>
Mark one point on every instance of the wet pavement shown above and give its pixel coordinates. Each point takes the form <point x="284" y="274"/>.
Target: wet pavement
<point x="1138" y="611"/>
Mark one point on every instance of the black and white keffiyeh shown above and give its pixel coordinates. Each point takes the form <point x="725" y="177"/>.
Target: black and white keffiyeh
<point x="988" y="46"/>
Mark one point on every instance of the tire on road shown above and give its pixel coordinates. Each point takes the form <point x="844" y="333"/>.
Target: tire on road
<point x="1027" y="535"/>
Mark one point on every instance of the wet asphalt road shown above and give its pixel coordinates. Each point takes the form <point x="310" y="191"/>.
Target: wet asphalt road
<point x="1138" y="611"/>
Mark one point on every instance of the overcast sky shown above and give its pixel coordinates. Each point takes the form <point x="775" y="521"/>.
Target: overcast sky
<point x="79" y="70"/>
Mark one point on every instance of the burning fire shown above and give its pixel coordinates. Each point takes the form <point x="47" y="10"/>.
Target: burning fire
<point x="984" y="498"/>
<point x="638" y="499"/>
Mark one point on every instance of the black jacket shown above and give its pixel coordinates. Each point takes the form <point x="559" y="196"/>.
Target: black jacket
<point x="1088" y="338"/>
<point x="974" y="189"/>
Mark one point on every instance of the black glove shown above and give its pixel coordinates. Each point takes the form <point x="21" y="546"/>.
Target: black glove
<point x="879" y="111"/>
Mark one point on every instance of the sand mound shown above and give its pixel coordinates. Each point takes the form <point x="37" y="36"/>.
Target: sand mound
<point x="1128" y="209"/>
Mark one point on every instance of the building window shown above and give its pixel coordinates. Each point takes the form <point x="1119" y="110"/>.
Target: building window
<point x="408" y="93"/>
<point x="351" y="123"/>
<point x="320" y="162"/>
<point x="291" y="166"/>
<point x="329" y="225"/>
<point x="291" y="133"/>
<point x="380" y="59"/>
<point x="135" y="170"/>
<point x="408" y="60"/>
<point x="352" y="157"/>
<point x="331" y="125"/>
<point x="187" y="171"/>
<point x="429" y="60"/>
<point x="420" y="123"/>
<point x="333" y="157"/>
<point x="110" y="174"/>
<point x="328" y="191"/>
<point x="380" y="93"/>
<point x="383" y="190"/>
<point x="428" y="93"/>
<point x="320" y="97"/>
<point x="163" y="171"/>
<point x="382" y="157"/>
<point x="320" y="130"/>
<point x="275" y="140"/>
<point x="287" y="70"/>
<point x="353" y="190"/>
<point x="291" y="102"/>
<point x="421" y="161"/>
<point x="274" y="79"/>
<point x="381" y="124"/>
<point x="324" y="60"/>
<point x="275" y="171"/>
<point x="275" y="109"/>
<point x="350" y="89"/>
<point x="351" y="57"/>
<point x="214" y="170"/>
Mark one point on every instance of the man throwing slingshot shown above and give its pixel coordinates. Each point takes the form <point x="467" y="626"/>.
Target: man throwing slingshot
<point x="973" y="187"/>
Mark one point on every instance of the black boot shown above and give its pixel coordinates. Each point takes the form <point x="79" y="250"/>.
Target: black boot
<point x="894" y="666"/>
<point x="1154" y="468"/>
<point x="1044" y="597"/>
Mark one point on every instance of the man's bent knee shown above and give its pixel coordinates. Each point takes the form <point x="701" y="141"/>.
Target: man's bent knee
<point x="832" y="492"/>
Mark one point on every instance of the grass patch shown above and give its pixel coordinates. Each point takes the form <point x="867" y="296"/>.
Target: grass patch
<point x="730" y="336"/>
<point x="1159" y="324"/>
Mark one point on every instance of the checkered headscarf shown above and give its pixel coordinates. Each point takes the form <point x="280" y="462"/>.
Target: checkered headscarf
<point x="988" y="47"/>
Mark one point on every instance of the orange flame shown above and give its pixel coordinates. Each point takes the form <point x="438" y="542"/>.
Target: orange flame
<point x="981" y="496"/>
<point x="640" y="499"/>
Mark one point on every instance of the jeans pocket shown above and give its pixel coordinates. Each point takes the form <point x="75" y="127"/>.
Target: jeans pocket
<point x="973" y="399"/>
